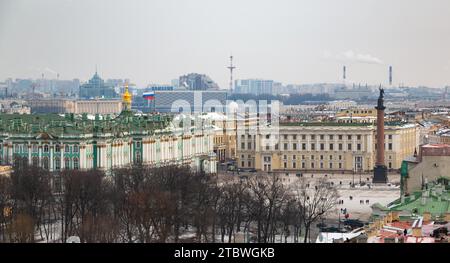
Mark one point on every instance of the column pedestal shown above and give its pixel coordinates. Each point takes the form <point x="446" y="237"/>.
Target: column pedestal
<point x="380" y="173"/>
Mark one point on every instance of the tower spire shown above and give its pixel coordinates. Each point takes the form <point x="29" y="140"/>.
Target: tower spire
<point x="231" y="68"/>
<point x="126" y="98"/>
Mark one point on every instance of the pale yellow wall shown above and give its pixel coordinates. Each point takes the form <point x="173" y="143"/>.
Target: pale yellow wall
<point x="431" y="168"/>
<point x="404" y="141"/>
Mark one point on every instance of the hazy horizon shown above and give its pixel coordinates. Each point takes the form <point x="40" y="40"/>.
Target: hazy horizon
<point x="290" y="41"/>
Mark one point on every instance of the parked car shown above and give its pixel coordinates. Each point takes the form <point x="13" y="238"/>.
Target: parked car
<point x="353" y="223"/>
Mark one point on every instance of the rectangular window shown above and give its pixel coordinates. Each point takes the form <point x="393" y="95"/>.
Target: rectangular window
<point x="312" y="157"/>
<point x="349" y="137"/>
<point x="390" y="146"/>
<point x="285" y="165"/>
<point x="313" y="147"/>
<point x="249" y="146"/>
<point x="322" y="146"/>
<point x="294" y="157"/>
<point x="322" y="137"/>
<point x="313" y="137"/>
<point x="358" y="137"/>
<point x="304" y="146"/>
<point x="340" y="137"/>
<point x="294" y="165"/>
<point x="294" y="137"/>
<point x="303" y="137"/>
<point x="312" y="165"/>
<point x="285" y="137"/>
<point x="285" y="146"/>
<point x="340" y="157"/>
<point x="321" y="157"/>
<point x="331" y="147"/>
<point x="294" y="146"/>
<point x="331" y="137"/>
<point x="243" y="146"/>
<point x="358" y="146"/>
<point x="75" y="164"/>
<point x="331" y="157"/>
<point x="303" y="165"/>
<point x="57" y="164"/>
<point x="331" y="165"/>
<point x="249" y="163"/>
<point x="321" y="165"/>
<point x="349" y="147"/>
<point x="340" y="147"/>
<point x="390" y="137"/>
<point x="340" y="165"/>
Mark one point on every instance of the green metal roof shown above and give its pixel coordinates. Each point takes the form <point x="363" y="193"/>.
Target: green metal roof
<point x="16" y="125"/>
<point x="432" y="205"/>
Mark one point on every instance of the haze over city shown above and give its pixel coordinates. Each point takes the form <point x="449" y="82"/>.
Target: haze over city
<point x="287" y="40"/>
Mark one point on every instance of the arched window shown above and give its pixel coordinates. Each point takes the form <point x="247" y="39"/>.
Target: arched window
<point x="138" y="157"/>
<point x="46" y="148"/>
<point x="76" y="164"/>
<point x="75" y="148"/>
<point x="57" y="163"/>
<point x="66" y="163"/>
<point x="35" y="161"/>
<point x="45" y="163"/>
<point x="57" y="148"/>
<point x="66" y="148"/>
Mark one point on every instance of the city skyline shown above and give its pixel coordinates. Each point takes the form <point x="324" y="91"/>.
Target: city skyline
<point x="288" y="41"/>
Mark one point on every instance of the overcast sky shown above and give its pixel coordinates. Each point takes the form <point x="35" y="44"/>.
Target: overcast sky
<point x="291" y="41"/>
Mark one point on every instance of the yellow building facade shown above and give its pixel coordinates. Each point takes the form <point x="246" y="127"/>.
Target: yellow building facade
<point x="327" y="147"/>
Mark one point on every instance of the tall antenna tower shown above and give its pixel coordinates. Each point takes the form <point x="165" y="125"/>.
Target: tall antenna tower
<point x="231" y="68"/>
<point x="344" y="74"/>
<point x="390" y="76"/>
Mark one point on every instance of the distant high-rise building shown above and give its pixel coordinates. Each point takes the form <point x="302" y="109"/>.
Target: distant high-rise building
<point x="194" y="81"/>
<point x="175" y="83"/>
<point x="96" y="88"/>
<point x="254" y="86"/>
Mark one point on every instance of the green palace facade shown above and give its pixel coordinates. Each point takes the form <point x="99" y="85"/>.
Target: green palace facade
<point x="57" y="142"/>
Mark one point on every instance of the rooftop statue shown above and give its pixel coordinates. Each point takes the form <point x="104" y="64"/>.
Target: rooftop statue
<point x="381" y="92"/>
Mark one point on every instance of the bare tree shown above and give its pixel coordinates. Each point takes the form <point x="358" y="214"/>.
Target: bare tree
<point x="267" y="197"/>
<point x="314" y="202"/>
<point x="30" y="193"/>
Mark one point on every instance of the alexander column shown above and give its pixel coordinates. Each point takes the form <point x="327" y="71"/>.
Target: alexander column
<point x="380" y="169"/>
